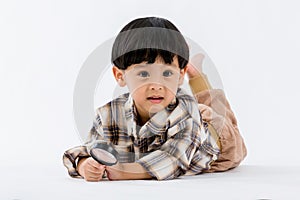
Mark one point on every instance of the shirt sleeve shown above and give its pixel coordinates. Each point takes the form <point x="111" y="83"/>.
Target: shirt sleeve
<point x="73" y="155"/>
<point x="175" y="155"/>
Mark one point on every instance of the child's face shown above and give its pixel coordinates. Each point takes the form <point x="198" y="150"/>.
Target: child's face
<point x="152" y="86"/>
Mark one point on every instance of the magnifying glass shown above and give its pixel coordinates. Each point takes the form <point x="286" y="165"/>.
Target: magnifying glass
<point x="104" y="153"/>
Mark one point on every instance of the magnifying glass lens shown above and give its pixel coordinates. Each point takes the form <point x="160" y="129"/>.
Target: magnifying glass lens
<point x="104" y="154"/>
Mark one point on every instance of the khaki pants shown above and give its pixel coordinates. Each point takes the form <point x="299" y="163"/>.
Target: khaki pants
<point x="216" y="110"/>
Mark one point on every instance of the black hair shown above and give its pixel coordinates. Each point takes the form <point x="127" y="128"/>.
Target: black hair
<point x="152" y="37"/>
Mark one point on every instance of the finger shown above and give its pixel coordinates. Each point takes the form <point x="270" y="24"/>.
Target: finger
<point x="94" y="170"/>
<point x="95" y="164"/>
<point x="92" y="177"/>
<point x="95" y="177"/>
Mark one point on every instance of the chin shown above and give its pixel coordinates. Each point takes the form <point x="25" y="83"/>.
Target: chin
<point x="155" y="108"/>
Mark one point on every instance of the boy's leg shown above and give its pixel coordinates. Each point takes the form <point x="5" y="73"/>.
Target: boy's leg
<point x="216" y="110"/>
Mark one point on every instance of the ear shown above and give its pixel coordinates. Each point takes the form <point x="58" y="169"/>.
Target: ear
<point x="181" y="75"/>
<point x="119" y="76"/>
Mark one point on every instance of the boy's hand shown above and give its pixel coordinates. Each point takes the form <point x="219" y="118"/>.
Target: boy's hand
<point x="195" y="66"/>
<point x="90" y="169"/>
<point x="116" y="172"/>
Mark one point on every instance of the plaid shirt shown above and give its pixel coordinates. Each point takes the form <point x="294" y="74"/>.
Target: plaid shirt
<point x="175" y="141"/>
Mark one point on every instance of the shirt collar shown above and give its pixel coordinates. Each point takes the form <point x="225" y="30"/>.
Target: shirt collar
<point x="183" y="105"/>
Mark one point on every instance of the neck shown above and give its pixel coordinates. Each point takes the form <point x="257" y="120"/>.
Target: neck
<point x="141" y="120"/>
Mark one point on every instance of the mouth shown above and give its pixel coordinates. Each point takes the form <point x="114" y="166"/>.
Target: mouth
<point x="155" y="99"/>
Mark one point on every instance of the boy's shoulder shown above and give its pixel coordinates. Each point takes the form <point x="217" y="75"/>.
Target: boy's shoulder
<point x="113" y="111"/>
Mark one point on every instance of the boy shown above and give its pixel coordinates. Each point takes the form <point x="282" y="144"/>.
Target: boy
<point x="157" y="128"/>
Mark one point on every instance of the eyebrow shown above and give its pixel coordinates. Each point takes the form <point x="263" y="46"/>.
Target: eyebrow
<point x="145" y="65"/>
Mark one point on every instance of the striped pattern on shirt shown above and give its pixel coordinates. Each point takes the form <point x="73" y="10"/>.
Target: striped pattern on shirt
<point x="175" y="141"/>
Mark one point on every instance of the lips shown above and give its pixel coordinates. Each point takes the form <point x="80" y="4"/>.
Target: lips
<point x="155" y="99"/>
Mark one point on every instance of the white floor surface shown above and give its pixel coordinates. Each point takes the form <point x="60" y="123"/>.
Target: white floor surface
<point x="242" y="183"/>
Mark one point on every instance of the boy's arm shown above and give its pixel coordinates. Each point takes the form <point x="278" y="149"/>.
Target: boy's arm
<point x="76" y="155"/>
<point x="127" y="171"/>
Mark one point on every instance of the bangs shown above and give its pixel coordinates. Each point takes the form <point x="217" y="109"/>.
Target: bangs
<point x="144" y="55"/>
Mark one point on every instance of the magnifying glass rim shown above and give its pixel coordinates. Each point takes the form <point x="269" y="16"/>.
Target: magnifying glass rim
<point x="105" y="147"/>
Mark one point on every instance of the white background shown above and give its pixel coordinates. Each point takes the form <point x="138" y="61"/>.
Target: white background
<point x="254" y="44"/>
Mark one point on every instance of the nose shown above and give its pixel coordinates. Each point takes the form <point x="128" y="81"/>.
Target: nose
<point x="156" y="81"/>
<point x="155" y="86"/>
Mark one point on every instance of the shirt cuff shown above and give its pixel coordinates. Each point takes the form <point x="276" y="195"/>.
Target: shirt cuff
<point x="71" y="158"/>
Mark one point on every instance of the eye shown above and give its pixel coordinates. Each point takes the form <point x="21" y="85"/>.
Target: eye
<point x="167" y="73"/>
<point x="143" y="74"/>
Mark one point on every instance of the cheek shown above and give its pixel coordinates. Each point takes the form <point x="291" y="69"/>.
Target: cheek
<point x="134" y="85"/>
<point x="171" y="86"/>
<point x="137" y="92"/>
<point x="170" y="96"/>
